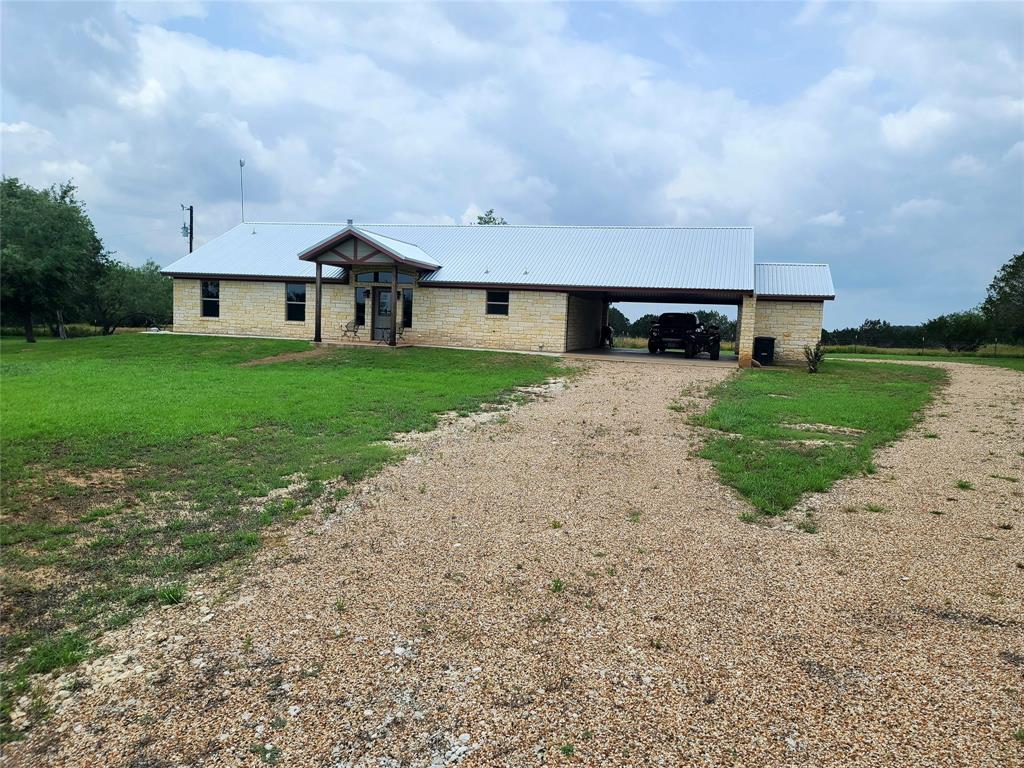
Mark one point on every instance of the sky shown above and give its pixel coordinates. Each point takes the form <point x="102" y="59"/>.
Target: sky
<point x="885" y="140"/>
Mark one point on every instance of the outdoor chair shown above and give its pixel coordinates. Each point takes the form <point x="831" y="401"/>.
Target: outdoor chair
<point x="350" y="329"/>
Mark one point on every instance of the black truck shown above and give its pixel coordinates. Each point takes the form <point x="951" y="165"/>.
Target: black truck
<point x="683" y="330"/>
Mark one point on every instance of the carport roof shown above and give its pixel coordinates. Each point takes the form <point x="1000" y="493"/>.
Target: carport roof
<point x="798" y="281"/>
<point x="701" y="259"/>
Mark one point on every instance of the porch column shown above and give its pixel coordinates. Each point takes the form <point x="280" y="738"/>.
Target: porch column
<point x="745" y="331"/>
<point x="319" y="301"/>
<point x="394" y="305"/>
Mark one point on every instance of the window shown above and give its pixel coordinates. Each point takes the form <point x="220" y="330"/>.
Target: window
<point x="209" y="292"/>
<point x="384" y="277"/>
<point x="497" y="302"/>
<point x="295" y="302"/>
<point x="361" y="294"/>
<point x="407" y="307"/>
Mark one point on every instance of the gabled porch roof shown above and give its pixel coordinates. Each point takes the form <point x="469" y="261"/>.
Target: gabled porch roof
<point x="354" y="246"/>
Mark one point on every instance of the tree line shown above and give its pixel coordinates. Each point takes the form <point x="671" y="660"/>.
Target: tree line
<point x="54" y="269"/>
<point x="998" y="319"/>
<point x="641" y="327"/>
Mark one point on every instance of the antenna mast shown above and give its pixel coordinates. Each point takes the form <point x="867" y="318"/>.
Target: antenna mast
<point x="241" y="186"/>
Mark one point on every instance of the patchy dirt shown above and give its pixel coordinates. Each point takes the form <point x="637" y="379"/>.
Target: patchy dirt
<point x="98" y="479"/>
<point x="831" y="429"/>
<point x="570" y="577"/>
<point x="288" y="357"/>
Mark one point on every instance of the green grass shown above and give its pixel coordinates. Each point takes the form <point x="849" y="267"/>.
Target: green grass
<point x="773" y="464"/>
<point x="1010" y="359"/>
<point x="127" y="461"/>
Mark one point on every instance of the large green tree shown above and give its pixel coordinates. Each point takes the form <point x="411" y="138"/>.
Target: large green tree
<point x="126" y="295"/>
<point x="488" y="217"/>
<point x="1004" y="305"/>
<point x="641" y="327"/>
<point x="617" y="321"/>
<point x="50" y="254"/>
<point x="958" y="331"/>
<point x="726" y="327"/>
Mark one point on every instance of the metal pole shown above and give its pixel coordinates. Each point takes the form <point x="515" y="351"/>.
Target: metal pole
<point x="394" y="305"/>
<point x="241" y="186"/>
<point x="191" y="226"/>
<point x="319" y="300"/>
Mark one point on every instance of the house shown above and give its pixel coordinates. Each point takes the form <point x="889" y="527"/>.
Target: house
<point x="531" y="288"/>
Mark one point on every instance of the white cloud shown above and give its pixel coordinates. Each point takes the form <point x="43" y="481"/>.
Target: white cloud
<point x="915" y="129"/>
<point x="156" y="12"/>
<point x="830" y="219"/>
<point x="434" y="113"/>
<point x="1016" y="152"/>
<point x="925" y="208"/>
<point x="966" y="165"/>
<point x="809" y="12"/>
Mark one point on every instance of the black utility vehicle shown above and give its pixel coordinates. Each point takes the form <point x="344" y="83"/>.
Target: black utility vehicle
<point x="682" y="330"/>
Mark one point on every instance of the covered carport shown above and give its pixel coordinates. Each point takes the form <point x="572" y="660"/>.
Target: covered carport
<point x="587" y="313"/>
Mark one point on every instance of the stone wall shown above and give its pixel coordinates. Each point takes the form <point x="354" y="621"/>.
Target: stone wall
<point x="583" y="326"/>
<point x="794" y="324"/>
<point x="453" y="317"/>
<point x="257" y="308"/>
<point x="745" y="331"/>
<point x="457" y="317"/>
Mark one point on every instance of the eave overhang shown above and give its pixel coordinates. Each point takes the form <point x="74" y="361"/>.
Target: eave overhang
<point x="406" y="254"/>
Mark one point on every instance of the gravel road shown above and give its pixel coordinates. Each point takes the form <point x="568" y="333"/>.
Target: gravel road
<point x="568" y="585"/>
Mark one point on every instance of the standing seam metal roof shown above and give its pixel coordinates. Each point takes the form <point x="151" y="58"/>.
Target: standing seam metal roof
<point x="694" y="258"/>
<point x="798" y="280"/>
<point x="672" y="258"/>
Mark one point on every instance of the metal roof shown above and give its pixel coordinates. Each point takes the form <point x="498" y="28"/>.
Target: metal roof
<point x="659" y="258"/>
<point x="258" y="250"/>
<point x="798" y="280"/>
<point x="399" y="250"/>
<point x="695" y="258"/>
<point x="703" y="258"/>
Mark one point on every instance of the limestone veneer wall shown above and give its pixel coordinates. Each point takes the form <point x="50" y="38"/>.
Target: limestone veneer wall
<point x="257" y="308"/>
<point x="794" y="324"/>
<point x="441" y="316"/>
<point x="583" y="325"/>
<point x="745" y="331"/>
<point x="457" y="317"/>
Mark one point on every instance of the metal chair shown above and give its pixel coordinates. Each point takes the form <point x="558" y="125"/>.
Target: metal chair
<point x="351" y="328"/>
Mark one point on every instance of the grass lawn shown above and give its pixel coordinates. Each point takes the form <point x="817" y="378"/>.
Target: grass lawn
<point x="1013" y="363"/>
<point x="843" y="413"/>
<point x="127" y="462"/>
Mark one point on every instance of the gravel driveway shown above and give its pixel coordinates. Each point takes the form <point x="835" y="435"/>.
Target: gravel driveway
<point x="568" y="585"/>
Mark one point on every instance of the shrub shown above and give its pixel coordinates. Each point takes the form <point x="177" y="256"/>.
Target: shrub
<point x="814" y="355"/>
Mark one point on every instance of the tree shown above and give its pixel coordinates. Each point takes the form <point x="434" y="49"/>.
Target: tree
<point x="488" y="217"/>
<point x="958" y="331"/>
<point x="1004" y="305"/>
<point x="641" y="327"/>
<point x="50" y="252"/>
<point x="138" y="295"/>
<point x="726" y="327"/>
<point x="618" y="322"/>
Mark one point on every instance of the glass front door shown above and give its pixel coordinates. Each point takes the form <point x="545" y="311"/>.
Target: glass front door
<point x="382" y="311"/>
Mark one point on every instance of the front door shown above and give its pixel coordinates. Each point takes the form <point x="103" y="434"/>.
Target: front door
<point x="382" y="309"/>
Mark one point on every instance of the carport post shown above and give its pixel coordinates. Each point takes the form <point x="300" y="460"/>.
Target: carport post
<point x="319" y="300"/>
<point x="394" y="306"/>
<point x="745" y="331"/>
